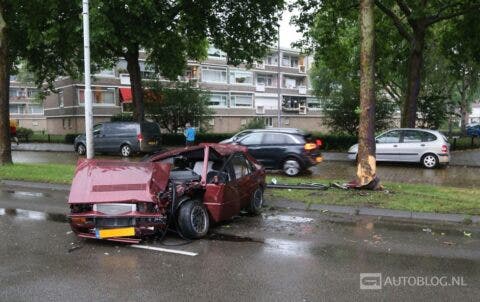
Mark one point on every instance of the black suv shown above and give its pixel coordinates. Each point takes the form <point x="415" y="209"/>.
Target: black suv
<point x="289" y="149"/>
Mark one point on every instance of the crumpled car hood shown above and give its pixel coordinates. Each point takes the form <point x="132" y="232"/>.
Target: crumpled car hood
<point x="100" y="181"/>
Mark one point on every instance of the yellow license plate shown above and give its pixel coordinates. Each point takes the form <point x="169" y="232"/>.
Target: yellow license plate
<point x="118" y="232"/>
<point x="152" y="142"/>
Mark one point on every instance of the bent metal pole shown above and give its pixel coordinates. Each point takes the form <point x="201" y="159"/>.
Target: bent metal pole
<point x="88" y="88"/>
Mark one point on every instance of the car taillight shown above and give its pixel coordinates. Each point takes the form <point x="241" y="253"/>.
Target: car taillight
<point x="319" y="142"/>
<point x="310" y="146"/>
<point x="140" y="137"/>
<point x="444" y="149"/>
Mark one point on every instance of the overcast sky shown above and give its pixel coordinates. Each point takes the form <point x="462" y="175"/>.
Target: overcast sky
<point x="287" y="31"/>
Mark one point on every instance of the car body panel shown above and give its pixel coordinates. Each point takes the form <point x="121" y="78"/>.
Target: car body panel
<point x="409" y="148"/>
<point x="107" y="181"/>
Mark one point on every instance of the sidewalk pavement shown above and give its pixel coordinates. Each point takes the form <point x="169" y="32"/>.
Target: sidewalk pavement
<point x="43" y="147"/>
<point x="345" y="210"/>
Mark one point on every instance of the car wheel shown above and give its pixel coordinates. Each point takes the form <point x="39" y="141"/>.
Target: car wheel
<point x="256" y="202"/>
<point x="291" y="167"/>
<point x="193" y="220"/>
<point x="125" y="150"/>
<point x="81" y="149"/>
<point x="429" y="161"/>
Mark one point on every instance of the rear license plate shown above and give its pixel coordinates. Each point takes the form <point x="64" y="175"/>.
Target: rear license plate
<point x="117" y="232"/>
<point x="152" y="142"/>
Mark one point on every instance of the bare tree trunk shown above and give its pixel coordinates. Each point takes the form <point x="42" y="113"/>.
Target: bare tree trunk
<point x="5" y="147"/>
<point x="366" y="166"/>
<point x="133" y="67"/>
<point x="415" y="65"/>
<point x="463" y="113"/>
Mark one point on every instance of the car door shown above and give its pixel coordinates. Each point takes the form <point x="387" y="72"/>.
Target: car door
<point x="253" y="142"/>
<point x="274" y="147"/>
<point x="387" y="146"/>
<point x="412" y="146"/>
<point x="99" y="138"/>
<point x="245" y="183"/>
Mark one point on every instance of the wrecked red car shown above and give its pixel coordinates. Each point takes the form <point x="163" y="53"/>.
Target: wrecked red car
<point x="187" y="188"/>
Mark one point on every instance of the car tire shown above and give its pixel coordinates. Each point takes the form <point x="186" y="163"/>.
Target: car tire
<point x="291" y="167"/>
<point x="125" y="150"/>
<point x="193" y="221"/>
<point x="256" y="202"/>
<point x="81" y="149"/>
<point x="429" y="161"/>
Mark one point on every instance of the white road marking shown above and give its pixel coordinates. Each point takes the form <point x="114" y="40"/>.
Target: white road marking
<point x="159" y="249"/>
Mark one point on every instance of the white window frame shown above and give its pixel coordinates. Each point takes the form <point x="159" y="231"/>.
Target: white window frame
<point x="221" y="95"/>
<point x="95" y="89"/>
<point x="30" y="112"/>
<point x="233" y="98"/>
<point x="266" y="76"/>
<point x="222" y="70"/>
<point x="233" y="76"/>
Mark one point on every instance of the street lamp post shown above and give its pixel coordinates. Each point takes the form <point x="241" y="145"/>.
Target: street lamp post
<point x="88" y="86"/>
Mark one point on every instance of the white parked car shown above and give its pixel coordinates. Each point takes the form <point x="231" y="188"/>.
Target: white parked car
<point x="427" y="147"/>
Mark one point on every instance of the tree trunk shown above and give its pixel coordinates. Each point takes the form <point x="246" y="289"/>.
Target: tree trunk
<point x="5" y="146"/>
<point x="133" y="68"/>
<point x="415" y="65"/>
<point x="463" y="113"/>
<point x="366" y="165"/>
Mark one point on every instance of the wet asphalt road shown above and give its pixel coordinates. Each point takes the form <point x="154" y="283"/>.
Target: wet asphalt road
<point x="456" y="176"/>
<point x="282" y="255"/>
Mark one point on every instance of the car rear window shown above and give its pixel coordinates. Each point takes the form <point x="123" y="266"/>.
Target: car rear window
<point x="150" y="128"/>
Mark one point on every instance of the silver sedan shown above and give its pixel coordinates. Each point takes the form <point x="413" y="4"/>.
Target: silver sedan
<point x="427" y="147"/>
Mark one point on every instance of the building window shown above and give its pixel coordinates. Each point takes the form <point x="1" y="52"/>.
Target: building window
<point x="289" y="61"/>
<point x="100" y="96"/>
<point x="241" y="100"/>
<point x="218" y="100"/>
<point x="313" y="103"/>
<point x="106" y="73"/>
<point x="211" y="122"/>
<point x="35" y="109"/>
<point x="272" y="59"/>
<point x="241" y="77"/>
<point x="269" y="80"/>
<point x="17" y="108"/>
<point x="214" y="74"/>
<point x="60" y="99"/>
<point x="32" y="93"/>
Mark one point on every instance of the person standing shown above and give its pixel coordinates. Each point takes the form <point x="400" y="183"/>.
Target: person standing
<point x="189" y="135"/>
<point x="13" y="131"/>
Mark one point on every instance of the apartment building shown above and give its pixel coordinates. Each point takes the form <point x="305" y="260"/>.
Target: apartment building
<point x="237" y="94"/>
<point x="25" y="108"/>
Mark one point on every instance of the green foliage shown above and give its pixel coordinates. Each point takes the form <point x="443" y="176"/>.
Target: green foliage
<point x="24" y="134"/>
<point x="180" y="103"/>
<point x="254" y="123"/>
<point x="70" y="138"/>
<point x="122" y="117"/>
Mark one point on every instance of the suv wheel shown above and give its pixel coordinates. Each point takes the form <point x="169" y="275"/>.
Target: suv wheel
<point x="429" y="161"/>
<point x="125" y="150"/>
<point x="256" y="202"/>
<point x="291" y="167"/>
<point x="81" y="149"/>
<point x="193" y="220"/>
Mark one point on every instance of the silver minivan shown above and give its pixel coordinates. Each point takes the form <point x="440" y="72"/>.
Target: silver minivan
<point x="427" y="147"/>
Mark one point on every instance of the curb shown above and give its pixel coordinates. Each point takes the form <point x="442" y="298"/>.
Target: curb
<point x="35" y="185"/>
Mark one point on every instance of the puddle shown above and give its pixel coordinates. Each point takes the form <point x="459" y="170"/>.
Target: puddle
<point x="33" y="215"/>
<point x="26" y="193"/>
<point x="287" y="218"/>
<point x="232" y="238"/>
<point x="287" y="247"/>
